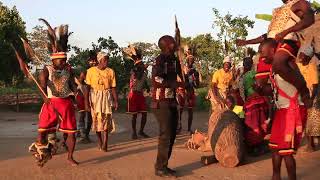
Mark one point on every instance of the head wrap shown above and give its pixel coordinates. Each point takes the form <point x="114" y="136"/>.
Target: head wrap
<point x="307" y="50"/>
<point x="101" y="55"/>
<point x="227" y="59"/>
<point x="58" y="55"/>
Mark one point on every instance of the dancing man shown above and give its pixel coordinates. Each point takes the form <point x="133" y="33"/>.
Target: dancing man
<point x="138" y="83"/>
<point x="57" y="82"/>
<point x="292" y="98"/>
<point x="221" y="84"/>
<point x="164" y="78"/>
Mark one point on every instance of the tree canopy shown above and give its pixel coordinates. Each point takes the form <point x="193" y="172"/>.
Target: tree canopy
<point x="38" y="40"/>
<point x="229" y="28"/>
<point x="208" y="53"/>
<point x="209" y="49"/>
<point x="11" y="27"/>
<point x="120" y="65"/>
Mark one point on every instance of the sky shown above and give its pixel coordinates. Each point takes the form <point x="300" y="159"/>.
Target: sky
<point x="128" y="21"/>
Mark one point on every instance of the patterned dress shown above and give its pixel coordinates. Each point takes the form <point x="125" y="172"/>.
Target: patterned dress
<point x="313" y="122"/>
<point x="101" y="82"/>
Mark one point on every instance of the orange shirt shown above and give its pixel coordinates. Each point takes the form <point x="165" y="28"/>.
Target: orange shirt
<point x="222" y="79"/>
<point x="101" y="79"/>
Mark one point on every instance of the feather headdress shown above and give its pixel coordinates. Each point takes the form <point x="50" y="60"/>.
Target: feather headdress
<point x="190" y="51"/>
<point x="132" y="52"/>
<point x="58" y="38"/>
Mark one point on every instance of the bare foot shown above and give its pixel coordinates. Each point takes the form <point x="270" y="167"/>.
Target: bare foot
<point x="144" y="135"/>
<point x="73" y="162"/>
<point x="105" y="149"/>
<point x="276" y="177"/>
<point x="134" y="136"/>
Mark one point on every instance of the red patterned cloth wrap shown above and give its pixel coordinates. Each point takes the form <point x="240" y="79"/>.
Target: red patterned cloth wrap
<point x="290" y="46"/>
<point x="288" y="124"/>
<point x="263" y="69"/>
<point x="238" y="98"/>
<point x="184" y="97"/>
<point x="80" y="102"/>
<point x="286" y="132"/>
<point x="136" y="102"/>
<point x="48" y="117"/>
<point x="256" y="115"/>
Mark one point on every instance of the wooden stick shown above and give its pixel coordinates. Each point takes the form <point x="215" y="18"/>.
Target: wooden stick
<point x="43" y="93"/>
<point x="178" y="39"/>
<point x="26" y="71"/>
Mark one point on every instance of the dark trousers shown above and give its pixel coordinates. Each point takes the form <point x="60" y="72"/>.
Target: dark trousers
<point x="84" y="124"/>
<point x="167" y="117"/>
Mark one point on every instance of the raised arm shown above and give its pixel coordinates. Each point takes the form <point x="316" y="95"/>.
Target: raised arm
<point x="303" y="10"/>
<point x="258" y="40"/>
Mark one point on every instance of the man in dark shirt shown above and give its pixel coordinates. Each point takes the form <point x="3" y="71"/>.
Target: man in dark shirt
<point x="165" y="70"/>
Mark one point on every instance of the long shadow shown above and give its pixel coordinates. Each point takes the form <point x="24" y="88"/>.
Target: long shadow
<point x="179" y="141"/>
<point x="127" y="142"/>
<point x="117" y="147"/>
<point x="109" y="157"/>
<point x="122" y="142"/>
<point x="251" y="159"/>
<point x="310" y="171"/>
<point x="188" y="169"/>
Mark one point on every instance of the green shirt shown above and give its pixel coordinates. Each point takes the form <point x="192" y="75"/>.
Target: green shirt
<point x="248" y="82"/>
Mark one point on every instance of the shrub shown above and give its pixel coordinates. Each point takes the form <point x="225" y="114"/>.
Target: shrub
<point x="202" y="104"/>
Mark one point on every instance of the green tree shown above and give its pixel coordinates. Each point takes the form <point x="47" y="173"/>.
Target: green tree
<point x="38" y="40"/>
<point x="78" y="59"/>
<point x="208" y="53"/>
<point x="11" y="27"/>
<point x="120" y="65"/>
<point x="229" y="28"/>
<point x="149" y="50"/>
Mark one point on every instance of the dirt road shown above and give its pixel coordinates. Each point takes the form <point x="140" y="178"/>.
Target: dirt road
<point x="126" y="159"/>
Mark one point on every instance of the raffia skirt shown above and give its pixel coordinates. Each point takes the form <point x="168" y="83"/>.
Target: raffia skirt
<point x="101" y="111"/>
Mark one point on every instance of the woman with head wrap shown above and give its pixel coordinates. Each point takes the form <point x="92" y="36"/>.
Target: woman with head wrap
<point x="309" y="70"/>
<point x="101" y="80"/>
